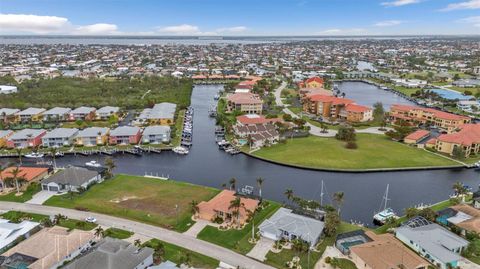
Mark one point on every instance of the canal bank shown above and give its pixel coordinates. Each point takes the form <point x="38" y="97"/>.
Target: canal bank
<point x="207" y="165"/>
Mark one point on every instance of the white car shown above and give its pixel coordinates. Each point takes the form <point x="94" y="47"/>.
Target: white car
<point x="91" y="219"/>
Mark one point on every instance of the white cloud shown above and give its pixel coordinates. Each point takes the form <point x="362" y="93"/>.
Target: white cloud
<point x="388" y="23"/>
<point x="336" y="31"/>
<point x="399" y="3"/>
<point x="475" y="20"/>
<point x="97" y="29"/>
<point x="470" y="4"/>
<point x="15" y="23"/>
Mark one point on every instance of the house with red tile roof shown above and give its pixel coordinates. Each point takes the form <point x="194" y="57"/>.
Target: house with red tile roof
<point x="333" y="108"/>
<point x="220" y="207"/>
<point x="420" y="115"/>
<point x="357" y="113"/>
<point x="245" y="102"/>
<point x="29" y="174"/>
<point x="252" y="119"/>
<point x="466" y="137"/>
<point x="416" y="137"/>
<point x="314" y="82"/>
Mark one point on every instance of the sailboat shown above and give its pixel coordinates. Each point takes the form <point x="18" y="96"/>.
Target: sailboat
<point x="381" y="217"/>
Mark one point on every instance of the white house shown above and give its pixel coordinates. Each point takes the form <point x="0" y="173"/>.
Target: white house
<point x="10" y="232"/>
<point x="59" y="137"/>
<point x="6" y="89"/>
<point x="156" y="134"/>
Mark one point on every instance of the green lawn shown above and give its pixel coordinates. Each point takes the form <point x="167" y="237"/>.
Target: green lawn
<point x="279" y="260"/>
<point x="374" y="151"/>
<point x="346" y="264"/>
<point x="18" y="216"/>
<point x="147" y="200"/>
<point x="237" y="240"/>
<point x="179" y="255"/>
<point x="117" y="233"/>
<point x="26" y="195"/>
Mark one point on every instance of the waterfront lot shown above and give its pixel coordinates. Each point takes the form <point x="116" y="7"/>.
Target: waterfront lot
<point x="237" y="240"/>
<point x="147" y="200"/>
<point x="374" y="151"/>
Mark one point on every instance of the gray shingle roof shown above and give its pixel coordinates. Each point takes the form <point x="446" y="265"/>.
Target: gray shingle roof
<point x="8" y="111"/>
<point x="83" y="110"/>
<point x="27" y="133"/>
<point x="61" y="133"/>
<point x="58" y="111"/>
<point x="4" y="133"/>
<point x="108" y="109"/>
<point x="74" y="176"/>
<point x="159" y="111"/>
<point x="284" y="220"/>
<point x="157" y="129"/>
<point x="435" y="239"/>
<point x="93" y="131"/>
<point x="31" y="111"/>
<point x="124" y="131"/>
<point x="112" y="254"/>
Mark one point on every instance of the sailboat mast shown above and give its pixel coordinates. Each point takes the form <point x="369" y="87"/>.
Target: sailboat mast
<point x="386" y="197"/>
<point x="321" y="195"/>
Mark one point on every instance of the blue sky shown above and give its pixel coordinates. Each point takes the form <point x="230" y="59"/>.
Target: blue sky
<point x="240" y="17"/>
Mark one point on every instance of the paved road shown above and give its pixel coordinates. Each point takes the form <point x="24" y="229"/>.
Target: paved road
<point x="315" y="130"/>
<point x="169" y="236"/>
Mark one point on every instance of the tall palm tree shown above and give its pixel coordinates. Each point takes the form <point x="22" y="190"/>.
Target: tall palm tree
<point x="19" y="153"/>
<point x="260" y="184"/>
<point x="339" y="197"/>
<point x="235" y="205"/>
<point x="232" y="182"/>
<point x="194" y="205"/>
<point x="289" y="194"/>
<point x="17" y="177"/>
<point x="459" y="189"/>
<point x="110" y="164"/>
<point x="99" y="232"/>
<point x="1" y="177"/>
<point x="53" y="152"/>
<point x="137" y="243"/>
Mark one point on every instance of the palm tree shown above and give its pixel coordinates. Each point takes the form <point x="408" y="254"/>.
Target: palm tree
<point x="17" y="177"/>
<point x="137" y="243"/>
<point x="260" y="184"/>
<point x="46" y="222"/>
<point x="19" y="153"/>
<point x="58" y="218"/>
<point x="235" y="205"/>
<point x="1" y="177"/>
<point x="99" y="232"/>
<point x="232" y="182"/>
<point x="460" y="189"/>
<point x="338" y="197"/>
<point x="194" y="205"/>
<point x="110" y="164"/>
<point x="53" y="152"/>
<point x="159" y="252"/>
<point x="289" y="194"/>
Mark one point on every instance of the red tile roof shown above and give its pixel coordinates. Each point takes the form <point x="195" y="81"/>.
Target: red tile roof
<point x="316" y="79"/>
<point x="28" y="173"/>
<point x="437" y="113"/>
<point x="467" y="135"/>
<point x="221" y="202"/>
<point x="419" y="134"/>
<point x="255" y="119"/>
<point x="357" y="108"/>
<point x="245" y="98"/>
<point x="329" y="99"/>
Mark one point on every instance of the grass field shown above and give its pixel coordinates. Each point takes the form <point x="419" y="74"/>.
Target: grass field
<point x="117" y="233"/>
<point x="17" y="216"/>
<point x="374" y="151"/>
<point x="180" y="255"/>
<point x="147" y="200"/>
<point x="26" y="195"/>
<point x="237" y="240"/>
<point x="279" y="260"/>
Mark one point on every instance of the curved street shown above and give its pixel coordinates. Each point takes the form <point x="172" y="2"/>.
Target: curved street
<point x="315" y="130"/>
<point x="183" y="240"/>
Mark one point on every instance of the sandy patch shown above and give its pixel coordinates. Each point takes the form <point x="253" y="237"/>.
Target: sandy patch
<point x="123" y="199"/>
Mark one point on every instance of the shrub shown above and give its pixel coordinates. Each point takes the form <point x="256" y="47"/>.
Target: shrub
<point x="351" y="145"/>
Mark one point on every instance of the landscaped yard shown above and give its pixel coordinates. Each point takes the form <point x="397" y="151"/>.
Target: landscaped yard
<point x="279" y="260"/>
<point x="17" y="216"/>
<point x="374" y="151"/>
<point x="180" y="255"/>
<point x="237" y="240"/>
<point x="25" y="196"/>
<point x="147" y="200"/>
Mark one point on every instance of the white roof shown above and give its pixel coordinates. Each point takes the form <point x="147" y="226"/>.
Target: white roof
<point x="11" y="231"/>
<point x="26" y="134"/>
<point x="57" y="111"/>
<point x="156" y="129"/>
<point x="4" y="133"/>
<point x="61" y="133"/>
<point x="93" y="131"/>
<point x="31" y="111"/>
<point x="124" y="131"/>
<point x="159" y="111"/>
<point x="83" y="110"/>
<point x="8" y="111"/>
<point x="108" y="109"/>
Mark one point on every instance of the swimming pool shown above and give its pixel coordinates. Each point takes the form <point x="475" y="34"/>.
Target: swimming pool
<point x="451" y="94"/>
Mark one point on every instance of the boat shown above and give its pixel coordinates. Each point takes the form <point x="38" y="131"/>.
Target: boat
<point x="93" y="164"/>
<point x="216" y="97"/>
<point x="180" y="150"/>
<point x="59" y="154"/>
<point x="387" y="213"/>
<point x="34" y="155"/>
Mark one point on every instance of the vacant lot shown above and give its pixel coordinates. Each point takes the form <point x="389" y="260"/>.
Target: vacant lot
<point x="148" y="200"/>
<point x="374" y="151"/>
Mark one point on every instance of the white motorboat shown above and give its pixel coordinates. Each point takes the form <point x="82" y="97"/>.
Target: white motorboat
<point x="34" y="155"/>
<point x="93" y="164"/>
<point x="180" y="150"/>
<point x="387" y="213"/>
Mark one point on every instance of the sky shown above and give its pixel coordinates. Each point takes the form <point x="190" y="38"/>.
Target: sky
<point x="240" y="17"/>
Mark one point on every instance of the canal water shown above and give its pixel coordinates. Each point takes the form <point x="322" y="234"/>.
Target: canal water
<point x="206" y="165"/>
<point x="368" y="94"/>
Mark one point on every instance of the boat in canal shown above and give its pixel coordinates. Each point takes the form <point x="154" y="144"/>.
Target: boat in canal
<point x="387" y="213"/>
<point x="34" y="155"/>
<point x="180" y="150"/>
<point x="93" y="164"/>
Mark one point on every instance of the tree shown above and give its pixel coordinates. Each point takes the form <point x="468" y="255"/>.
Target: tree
<point x="53" y="152"/>
<point x="99" y="232"/>
<point x="378" y="112"/>
<point x="194" y="205"/>
<point x="332" y="221"/>
<point x="260" y="184"/>
<point x="58" y="218"/>
<point x="323" y="127"/>
<point x="137" y="243"/>
<point x="46" y="222"/>
<point x="289" y="194"/>
<point x="346" y="133"/>
<point x="460" y="190"/>
<point x="17" y="177"/>
<point x="458" y="152"/>
<point x="110" y="164"/>
<point x="19" y="153"/>
<point x="428" y="214"/>
<point x="235" y="205"/>
<point x="338" y="198"/>
<point x="1" y="177"/>
<point x="233" y="182"/>
<point x="411" y="212"/>
<point x="287" y="117"/>
<point x="159" y="252"/>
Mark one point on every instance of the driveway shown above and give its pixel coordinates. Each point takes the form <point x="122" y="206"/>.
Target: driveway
<point x="182" y="240"/>
<point x="197" y="227"/>
<point x="40" y="197"/>
<point x="329" y="252"/>
<point x="261" y="249"/>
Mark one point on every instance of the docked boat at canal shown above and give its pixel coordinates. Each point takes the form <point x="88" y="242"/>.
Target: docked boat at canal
<point x="34" y="155"/>
<point x="387" y="213"/>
